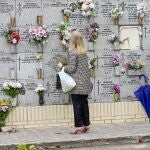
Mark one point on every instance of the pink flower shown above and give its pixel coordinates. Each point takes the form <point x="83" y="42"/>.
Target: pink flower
<point x="85" y="7"/>
<point x="4" y="108"/>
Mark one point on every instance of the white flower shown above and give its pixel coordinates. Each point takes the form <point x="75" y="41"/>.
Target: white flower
<point x="92" y="6"/>
<point x="5" y="85"/>
<point x="18" y="85"/>
<point x="40" y="88"/>
<point x="14" y="41"/>
<point x="63" y="42"/>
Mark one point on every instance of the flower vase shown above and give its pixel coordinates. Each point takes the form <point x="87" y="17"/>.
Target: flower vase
<point x="40" y="48"/>
<point x="39" y="73"/>
<point x="41" y="99"/>
<point x="66" y="18"/>
<point x="12" y="21"/>
<point x="116" y="21"/>
<point x="91" y="46"/>
<point x="39" y="20"/>
<point x="117" y="70"/>
<point x="117" y="97"/>
<point x="92" y="72"/>
<point x="140" y="21"/>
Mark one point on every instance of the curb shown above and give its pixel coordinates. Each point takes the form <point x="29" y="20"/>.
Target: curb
<point x="85" y="143"/>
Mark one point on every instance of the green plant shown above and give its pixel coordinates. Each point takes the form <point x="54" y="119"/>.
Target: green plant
<point x="93" y="63"/>
<point x="25" y="147"/>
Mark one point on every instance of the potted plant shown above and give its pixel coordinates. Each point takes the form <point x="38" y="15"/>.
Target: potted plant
<point x="116" y="89"/>
<point x="116" y="62"/>
<point x="141" y="12"/>
<point x="86" y="7"/>
<point x="66" y="14"/>
<point x="92" y="67"/>
<point x="40" y="90"/>
<point x="116" y="14"/>
<point x="39" y="36"/>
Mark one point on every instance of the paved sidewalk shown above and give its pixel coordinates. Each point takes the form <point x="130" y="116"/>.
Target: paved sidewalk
<point x="60" y="137"/>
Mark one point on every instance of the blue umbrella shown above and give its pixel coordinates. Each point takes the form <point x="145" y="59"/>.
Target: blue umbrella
<point x="143" y="94"/>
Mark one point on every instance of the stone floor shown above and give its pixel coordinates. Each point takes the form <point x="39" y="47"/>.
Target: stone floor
<point x="100" y="134"/>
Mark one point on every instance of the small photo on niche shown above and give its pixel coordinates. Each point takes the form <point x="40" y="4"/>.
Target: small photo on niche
<point x="130" y="37"/>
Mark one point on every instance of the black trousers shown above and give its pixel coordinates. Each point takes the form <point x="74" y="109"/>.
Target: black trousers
<point x="81" y="110"/>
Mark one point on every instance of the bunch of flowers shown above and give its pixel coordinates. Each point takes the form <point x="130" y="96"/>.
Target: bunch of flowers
<point x="40" y="90"/>
<point x="5" y="107"/>
<point x="135" y="65"/>
<point x="64" y="33"/>
<point x="112" y="38"/>
<point x="12" y="89"/>
<point x="39" y="35"/>
<point x="116" y="88"/>
<point x="87" y="7"/>
<point x="67" y="14"/>
<point x="116" y="59"/>
<point x="116" y="14"/>
<point x="92" y="32"/>
<point x="12" y="36"/>
<point x="141" y="11"/>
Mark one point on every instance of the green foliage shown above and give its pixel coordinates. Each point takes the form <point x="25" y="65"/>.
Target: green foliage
<point x="25" y="147"/>
<point x="63" y="26"/>
<point x="12" y="92"/>
<point x="93" y="63"/>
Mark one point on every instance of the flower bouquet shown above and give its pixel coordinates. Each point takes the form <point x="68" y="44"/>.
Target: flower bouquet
<point x="5" y="107"/>
<point x="116" y="89"/>
<point x="12" y="36"/>
<point x="12" y="89"/>
<point x="141" y="12"/>
<point x="116" y="14"/>
<point x="67" y="14"/>
<point x="40" y="90"/>
<point x="116" y="60"/>
<point x="92" y="66"/>
<point x="86" y="7"/>
<point x="112" y="38"/>
<point x="135" y="65"/>
<point x="39" y="35"/>
<point x="64" y="34"/>
<point x="92" y="32"/>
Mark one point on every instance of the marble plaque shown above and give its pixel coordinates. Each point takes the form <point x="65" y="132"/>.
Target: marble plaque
<point x="27" y="12"/>
<point x="27" y="65"/>
<point x="146" y="37"/>
<point x="30" y="98"/>
<point x="104" y="89"/>
<point x="7" y="10"/>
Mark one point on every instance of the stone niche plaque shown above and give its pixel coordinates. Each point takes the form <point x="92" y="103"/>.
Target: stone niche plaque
<point x="52" y="11"/>
<point x="131" y="35"/>
<point x="8" y="66"/>
<point x="24" y="45"/>
<point x="30" y="98"/>
<point x="7" y="9"/>
<point x="128" y="86"/>
<point x="104" y="66"/>
<point x="104" y="32"/>
<point x="146" y="58"/>
<point x="103" y="9"/>
<point x="146" y="37"/>
<point x="27" y="11"/>
<point x="130" y="10"/>
<point x="104" y="89"/>
<point x="50" y="63"/>
<point x="27" y="65"/>
<point x="54" y="96"/>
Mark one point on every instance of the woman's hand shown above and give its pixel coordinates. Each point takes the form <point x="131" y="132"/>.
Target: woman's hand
<point x="60" y="65"/>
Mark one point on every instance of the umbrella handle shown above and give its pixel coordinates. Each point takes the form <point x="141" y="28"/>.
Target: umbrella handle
<point x="145" y="78"/>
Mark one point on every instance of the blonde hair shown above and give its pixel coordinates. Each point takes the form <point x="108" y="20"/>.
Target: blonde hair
<point x="77" y="43"/>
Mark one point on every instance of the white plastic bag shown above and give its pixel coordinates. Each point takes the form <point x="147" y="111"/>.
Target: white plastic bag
<point x="67" y="81"/>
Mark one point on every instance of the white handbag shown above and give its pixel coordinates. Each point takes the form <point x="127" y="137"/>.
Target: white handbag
<point x="67" y="82"/>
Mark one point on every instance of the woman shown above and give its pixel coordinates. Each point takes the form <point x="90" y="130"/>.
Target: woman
<point x="78" y="68"/>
